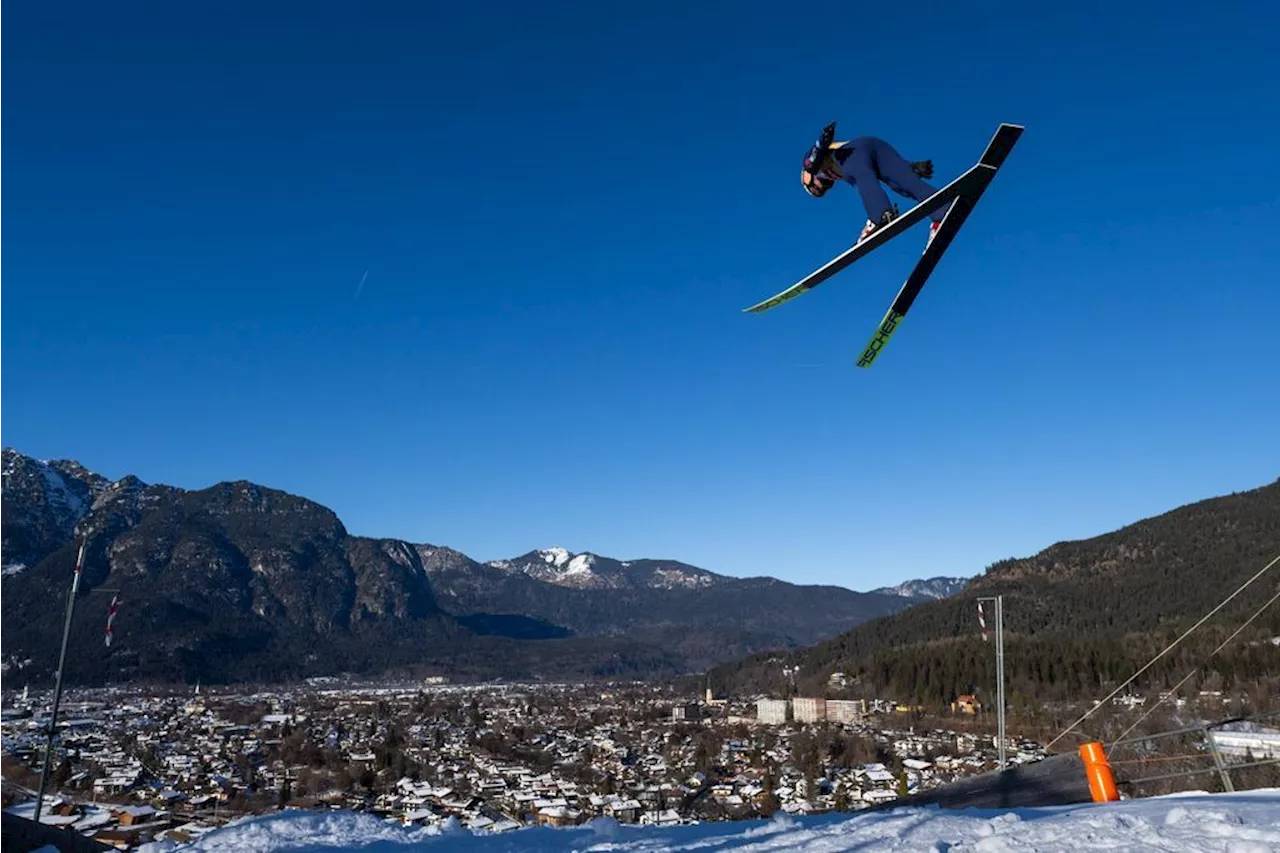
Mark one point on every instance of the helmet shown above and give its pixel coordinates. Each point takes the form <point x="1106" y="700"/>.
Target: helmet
<point x="817" y="176"/>
<point x="817" y="183"/>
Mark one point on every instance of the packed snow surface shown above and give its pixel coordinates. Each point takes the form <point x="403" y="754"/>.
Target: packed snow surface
<point x="1247" y="822"/>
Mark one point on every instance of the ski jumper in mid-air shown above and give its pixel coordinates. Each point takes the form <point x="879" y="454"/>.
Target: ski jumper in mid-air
<point x="866" y="162"/>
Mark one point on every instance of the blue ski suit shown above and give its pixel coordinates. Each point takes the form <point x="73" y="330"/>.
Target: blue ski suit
<point x="867" y="161"/>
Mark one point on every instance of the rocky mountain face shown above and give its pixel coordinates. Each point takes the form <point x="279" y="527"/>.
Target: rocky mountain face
<point x="241" y="582"/>
<point x="41" y="503"/>
<point x="926" y="589"/>
<point x="234" y="581"/>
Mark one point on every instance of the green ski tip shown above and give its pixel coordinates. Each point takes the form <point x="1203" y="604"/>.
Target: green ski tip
<point x="884" y="331"/>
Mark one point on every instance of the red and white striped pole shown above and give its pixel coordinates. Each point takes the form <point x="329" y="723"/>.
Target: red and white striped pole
<point x="111" y="615"/>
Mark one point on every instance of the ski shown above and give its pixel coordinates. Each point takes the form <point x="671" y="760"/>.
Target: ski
<point x="997" y="151"/>
<point x="878" y="238"/>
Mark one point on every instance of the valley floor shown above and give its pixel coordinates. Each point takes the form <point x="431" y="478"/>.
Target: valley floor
<point x="1247" y="822"/>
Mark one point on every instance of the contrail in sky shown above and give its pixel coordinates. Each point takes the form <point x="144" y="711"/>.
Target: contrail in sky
<point x="360" y="286"/>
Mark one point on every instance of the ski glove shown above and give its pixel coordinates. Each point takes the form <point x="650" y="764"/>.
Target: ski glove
<point x="923" y="168"/>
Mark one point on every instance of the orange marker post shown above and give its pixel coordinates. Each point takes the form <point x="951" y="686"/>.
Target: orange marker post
<point x="1102" y="785"/>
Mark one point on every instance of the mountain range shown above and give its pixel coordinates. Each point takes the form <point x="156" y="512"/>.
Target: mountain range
<point x="240" y="582"/>
<point x="927" y="589"/>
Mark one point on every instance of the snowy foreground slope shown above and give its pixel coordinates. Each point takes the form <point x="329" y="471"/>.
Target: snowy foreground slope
<point x="1246" y="822"/>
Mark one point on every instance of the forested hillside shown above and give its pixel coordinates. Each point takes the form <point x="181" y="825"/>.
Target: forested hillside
<point x="1078" y="616"/>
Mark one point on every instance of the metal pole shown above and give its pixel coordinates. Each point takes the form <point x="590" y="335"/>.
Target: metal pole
<point x="1000" y="703"/>
<point x="1000" y="674"/>
<point x="1218" y="762"/>
<point x="57" y="690"/>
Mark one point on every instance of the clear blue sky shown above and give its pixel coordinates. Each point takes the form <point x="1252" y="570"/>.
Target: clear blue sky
<point x="562" y="210"/>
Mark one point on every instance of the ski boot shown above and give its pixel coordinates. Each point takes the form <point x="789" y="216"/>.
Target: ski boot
<point x="933" y="232"/>
<point x="885" y="218"/>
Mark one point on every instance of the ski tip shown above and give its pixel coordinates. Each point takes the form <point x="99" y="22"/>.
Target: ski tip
<point x="884" y="331"/>
<point x="867" y="358"/>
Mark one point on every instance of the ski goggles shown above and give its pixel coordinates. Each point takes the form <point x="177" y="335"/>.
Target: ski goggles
<point x="818" y="174"/>
<point x="816" y="184"/>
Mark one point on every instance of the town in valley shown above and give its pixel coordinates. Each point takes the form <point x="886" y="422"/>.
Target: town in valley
<point x="132" y="766"/>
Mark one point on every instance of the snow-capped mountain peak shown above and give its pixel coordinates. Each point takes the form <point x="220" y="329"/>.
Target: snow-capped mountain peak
<point x="580" y="564"/>
<point x="44" y="500"/>
<point x="937" y="587"/>
<point x="57" y="493"/>
<point x="586" y="570"/>
<point x="564" y="562"/>
<point x="555" y="555"/>
<point x="558" y="566"/>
